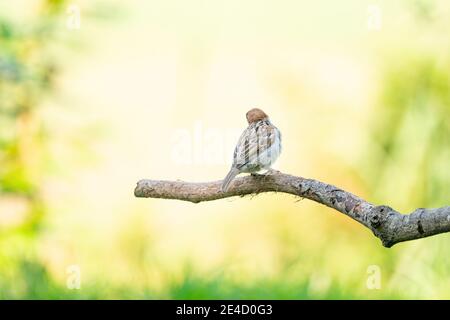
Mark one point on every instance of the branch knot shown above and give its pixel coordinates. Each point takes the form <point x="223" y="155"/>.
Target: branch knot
<point x="378" y="216"/>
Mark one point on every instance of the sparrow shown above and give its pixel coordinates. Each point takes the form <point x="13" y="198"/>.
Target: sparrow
<point x="257" y="148"/>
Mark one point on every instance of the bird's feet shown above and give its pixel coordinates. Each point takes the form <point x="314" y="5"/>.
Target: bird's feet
<point x="256" y="175"/>
<point x="271" y="171"/>
<point x="266" y="174"/>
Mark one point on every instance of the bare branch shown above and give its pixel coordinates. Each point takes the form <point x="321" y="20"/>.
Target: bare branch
<point x="387" y="224"/>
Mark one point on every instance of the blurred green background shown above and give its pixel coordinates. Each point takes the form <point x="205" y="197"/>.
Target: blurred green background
<point x="95" y="95"/>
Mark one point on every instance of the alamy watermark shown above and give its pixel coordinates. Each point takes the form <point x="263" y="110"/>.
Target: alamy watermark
<point x="202" y="145"/>
<point x="73" y="281"/>
<point x="73" y="21"/>
<point x="374" y="17"/>
<point x="373" y="281"/>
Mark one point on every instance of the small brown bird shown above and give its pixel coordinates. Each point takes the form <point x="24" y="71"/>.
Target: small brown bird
<point x="257" y="149"/>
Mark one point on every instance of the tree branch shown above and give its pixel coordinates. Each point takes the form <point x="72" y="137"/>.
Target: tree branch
<point x="387" y="224"/>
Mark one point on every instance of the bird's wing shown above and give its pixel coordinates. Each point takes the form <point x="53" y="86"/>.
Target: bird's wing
<point x="254" y="141"/>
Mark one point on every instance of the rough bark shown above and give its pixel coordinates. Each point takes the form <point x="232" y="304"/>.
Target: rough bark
<point x="387" y="224"/>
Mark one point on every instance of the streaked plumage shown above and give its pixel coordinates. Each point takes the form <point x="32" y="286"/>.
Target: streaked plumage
<point x="257" y="148"/>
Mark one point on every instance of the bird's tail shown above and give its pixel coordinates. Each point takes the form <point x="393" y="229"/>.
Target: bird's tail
<point x="230" y="176"/>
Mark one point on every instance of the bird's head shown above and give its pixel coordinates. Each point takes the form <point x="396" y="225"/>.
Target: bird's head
<point x="255" y="115"/>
